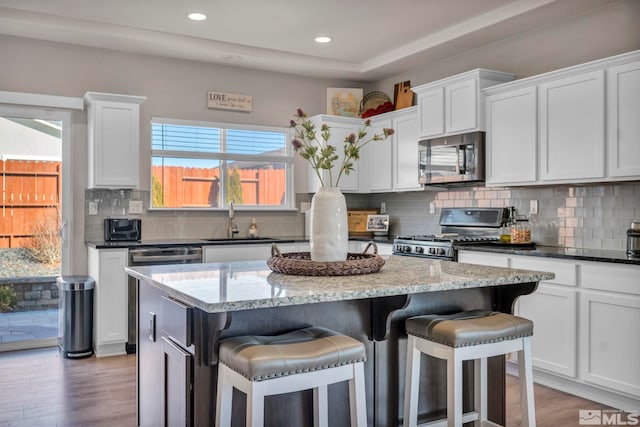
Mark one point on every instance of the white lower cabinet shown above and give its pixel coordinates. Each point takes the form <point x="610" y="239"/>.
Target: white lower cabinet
<point x="106" y="267"/>
<point x="553" y="312"/>
<point x="230" y="253"/>
<point x="586" y="338"/>
<point x="494" y="260"/>
<point x="260" y="252"/>
<point x="610" y="340"/>
<point x="249" y="252"/>
<point x="609" y="320"/>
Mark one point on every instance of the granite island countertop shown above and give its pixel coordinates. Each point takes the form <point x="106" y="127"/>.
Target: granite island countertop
<point x="234" y="286"/>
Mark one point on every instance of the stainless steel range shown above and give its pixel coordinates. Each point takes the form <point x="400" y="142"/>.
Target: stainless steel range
<point x="460" y="226"/>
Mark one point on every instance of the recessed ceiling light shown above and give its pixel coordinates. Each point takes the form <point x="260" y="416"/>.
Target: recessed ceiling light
<point x="197" y="16"/>
<point x="322" y="39"/>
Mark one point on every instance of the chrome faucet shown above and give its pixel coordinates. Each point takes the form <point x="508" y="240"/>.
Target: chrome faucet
<point x="233" y="228"/>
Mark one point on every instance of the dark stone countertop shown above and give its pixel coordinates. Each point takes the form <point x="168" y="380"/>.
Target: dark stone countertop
<point x="598" y="255"/>
<point x="218" y="241"/>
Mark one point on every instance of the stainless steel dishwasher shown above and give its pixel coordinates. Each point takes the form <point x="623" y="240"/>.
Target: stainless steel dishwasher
<point x="154" y="256"/>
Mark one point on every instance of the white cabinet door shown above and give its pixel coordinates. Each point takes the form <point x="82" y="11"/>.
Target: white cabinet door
<point x="512" y="137"/>
<point x="341" y="127"/>
<point x="572" y="127"/>
<point x="552" y="309"/>
<point x="431" y="113"/>
<point x="377" y="159"/>
<point x="114" y="140"/>
<point x="110" y="316"/>
<point x="405" y="152"/>
<point x="623" y="125"/>
<point x="461" y="106"/>
<point x="609" y="343"/>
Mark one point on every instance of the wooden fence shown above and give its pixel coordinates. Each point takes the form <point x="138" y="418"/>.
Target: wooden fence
<point x="30" y="197"/>
<point x="200" y="187"/>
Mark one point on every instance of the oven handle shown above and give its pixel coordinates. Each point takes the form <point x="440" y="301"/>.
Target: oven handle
<point x="165" y="255"/>
<point x="175" y="259"/>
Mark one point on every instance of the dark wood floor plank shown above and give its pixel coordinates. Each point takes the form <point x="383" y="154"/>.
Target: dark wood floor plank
<point x="40" y="388"/>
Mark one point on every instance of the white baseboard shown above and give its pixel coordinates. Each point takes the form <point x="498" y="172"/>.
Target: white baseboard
<point x="104" y="350"/>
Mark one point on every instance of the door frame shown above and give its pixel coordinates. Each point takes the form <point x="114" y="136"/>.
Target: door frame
<point x="30" y="105"/>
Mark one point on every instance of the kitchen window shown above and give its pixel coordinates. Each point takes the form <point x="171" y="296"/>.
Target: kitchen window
<point x="202" y="165"/>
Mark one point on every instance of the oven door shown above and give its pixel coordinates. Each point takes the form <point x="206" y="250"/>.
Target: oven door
<point x="452" y="159"/>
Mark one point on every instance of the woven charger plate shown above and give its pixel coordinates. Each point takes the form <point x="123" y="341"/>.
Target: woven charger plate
<point x="300" y="263"/>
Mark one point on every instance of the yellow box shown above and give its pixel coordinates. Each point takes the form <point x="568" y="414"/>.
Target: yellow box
<point x="358" y="220"/>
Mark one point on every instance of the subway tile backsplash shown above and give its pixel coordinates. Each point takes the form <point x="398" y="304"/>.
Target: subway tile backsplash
<point x="593" y="216"/>
<point x="587" y="216"/>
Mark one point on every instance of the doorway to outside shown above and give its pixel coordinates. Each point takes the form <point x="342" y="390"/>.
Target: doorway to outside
<point x="31" y="223"/>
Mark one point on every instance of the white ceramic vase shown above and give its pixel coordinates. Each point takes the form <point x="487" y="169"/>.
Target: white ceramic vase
<point x="329" y="234"/>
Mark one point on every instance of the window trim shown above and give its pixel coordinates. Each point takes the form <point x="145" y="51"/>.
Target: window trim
<point x="288" y="159"/>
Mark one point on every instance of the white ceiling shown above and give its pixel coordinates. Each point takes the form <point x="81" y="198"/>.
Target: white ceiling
<point x="372" y="39"/>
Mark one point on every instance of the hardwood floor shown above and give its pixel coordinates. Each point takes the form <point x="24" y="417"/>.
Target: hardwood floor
<point x="41" y="388"/>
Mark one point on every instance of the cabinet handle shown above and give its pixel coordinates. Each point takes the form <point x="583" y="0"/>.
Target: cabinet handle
<point x="152" y="327"/>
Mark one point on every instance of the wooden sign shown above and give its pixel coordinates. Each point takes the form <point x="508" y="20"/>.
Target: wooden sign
<point x="230" y="101"/>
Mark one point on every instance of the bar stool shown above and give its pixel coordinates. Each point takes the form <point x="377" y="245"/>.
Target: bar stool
<point x="310" y="358"/>
<point x="470" y="335"/>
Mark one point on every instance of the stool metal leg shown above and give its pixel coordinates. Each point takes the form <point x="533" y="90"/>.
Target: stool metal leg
<point x="320" y="407"/>
<point x="358" y="397"/>
<point x="412" y="383"/>
<point x="525" y="371"/>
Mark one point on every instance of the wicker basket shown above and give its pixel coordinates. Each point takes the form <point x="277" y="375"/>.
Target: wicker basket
<point x="300" y="263"/>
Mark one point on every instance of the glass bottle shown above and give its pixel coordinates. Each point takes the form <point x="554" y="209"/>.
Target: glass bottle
<point x="505" y="230"/>
<point x="521" y="230"/>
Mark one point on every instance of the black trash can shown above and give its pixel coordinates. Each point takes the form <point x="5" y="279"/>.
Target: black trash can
<point x="76" y="315"/>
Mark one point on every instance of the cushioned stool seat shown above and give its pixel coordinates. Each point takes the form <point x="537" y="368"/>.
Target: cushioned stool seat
<point x="470" y="335"/>
<point x="309" y="358"/>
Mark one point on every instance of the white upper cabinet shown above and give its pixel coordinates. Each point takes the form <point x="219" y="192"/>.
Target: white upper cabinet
<point x="623" y="124"/>
<point x="512" y="129"/>
<point x="455" y="104"/>
<point x="461" y="103"/>
<point x="376" y="159"/>
<point x="572" y="127"/>
<point x="341" y="127"/>
<point x="581" y="129"/>
<point x="430" y="111"/>
<point x="392" y="164"/>
<point x="113" y="123"/>
<point x="405" y="151"/>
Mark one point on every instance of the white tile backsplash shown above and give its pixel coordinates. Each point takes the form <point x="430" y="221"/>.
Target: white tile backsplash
<point x="587" y="216"/>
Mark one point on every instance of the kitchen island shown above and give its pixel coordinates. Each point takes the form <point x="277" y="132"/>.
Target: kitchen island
<point x="184" y="310"/>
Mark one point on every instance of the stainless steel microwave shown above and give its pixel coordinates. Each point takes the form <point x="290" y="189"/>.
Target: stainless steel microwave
<point x="452" y="159"/>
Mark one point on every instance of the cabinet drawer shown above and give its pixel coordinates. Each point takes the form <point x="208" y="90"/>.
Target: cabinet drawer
<point x="565" y="271"/>
<point x="175" y="321"/>
<point x="610" y="277"/>
<point x="494" y="260"/>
